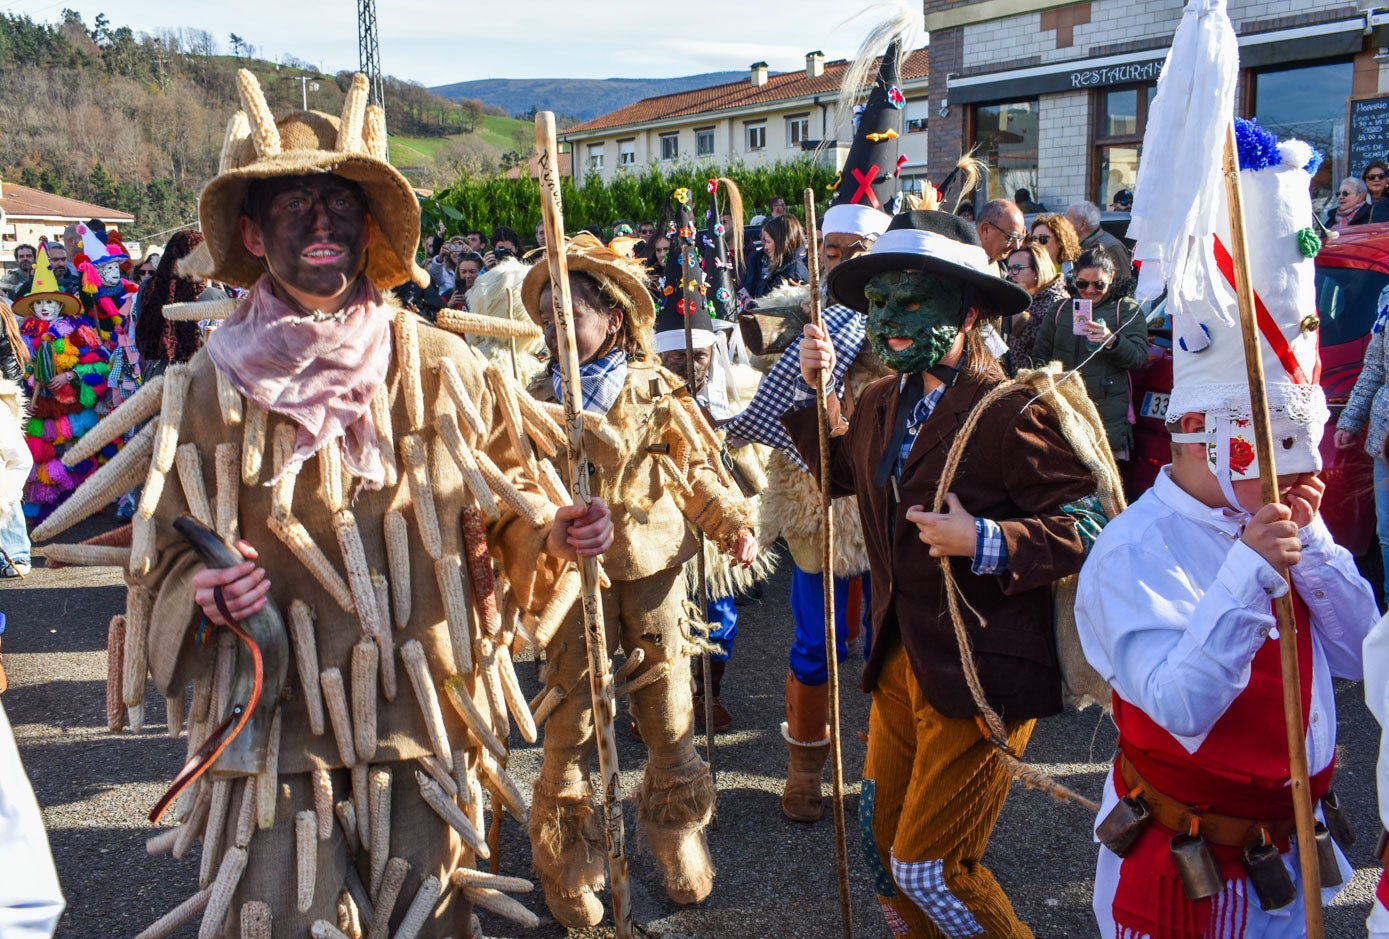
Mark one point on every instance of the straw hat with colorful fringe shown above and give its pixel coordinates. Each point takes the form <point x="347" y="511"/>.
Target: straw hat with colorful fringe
<point x="259" y="146"/>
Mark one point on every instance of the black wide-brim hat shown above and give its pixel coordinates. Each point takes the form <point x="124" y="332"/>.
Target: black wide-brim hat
<point x="933" y="243"/>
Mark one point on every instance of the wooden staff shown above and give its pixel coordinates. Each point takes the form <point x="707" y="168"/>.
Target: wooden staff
<point x="595" y="635"/>
<point x="689" y="280"/>
<point x="1282" y="606"/>
<point x="841" y="843"/>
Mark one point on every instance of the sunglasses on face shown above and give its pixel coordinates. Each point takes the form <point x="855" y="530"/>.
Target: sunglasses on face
<point x="1019" y="268"/>
<point x="146" y="272"/>
<point x="1375" y="177"/>
<point x="1100" y="285"/>
<point x="1042" y="239"/>
<point x="1344" y="195"/>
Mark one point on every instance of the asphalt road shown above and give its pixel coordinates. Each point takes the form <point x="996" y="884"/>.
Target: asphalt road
<point x="776" y="878"/>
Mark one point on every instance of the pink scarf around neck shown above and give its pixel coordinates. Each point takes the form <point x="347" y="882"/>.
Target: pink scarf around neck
<point x="319" y="373"/>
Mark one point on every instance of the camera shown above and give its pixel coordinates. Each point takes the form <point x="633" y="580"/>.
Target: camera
<point x="500" y="253"/>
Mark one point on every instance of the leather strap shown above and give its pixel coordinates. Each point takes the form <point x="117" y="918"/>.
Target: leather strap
<point x="1228" y="830"/>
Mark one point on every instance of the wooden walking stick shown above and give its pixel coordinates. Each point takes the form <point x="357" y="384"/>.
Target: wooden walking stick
<point x="689" y="278"/>
<point x="595" y="635"/>
<point x="1282" y="606"/>
<point x="841" y="843"/>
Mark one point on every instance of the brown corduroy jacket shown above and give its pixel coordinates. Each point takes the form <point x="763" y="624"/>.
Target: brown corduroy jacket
<point x="1018" y="471"/>
<point x="650" y="511"/>
<point x="177" y="658"/>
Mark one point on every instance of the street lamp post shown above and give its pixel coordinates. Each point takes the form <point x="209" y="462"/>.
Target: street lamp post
<point x="306" y="85"/>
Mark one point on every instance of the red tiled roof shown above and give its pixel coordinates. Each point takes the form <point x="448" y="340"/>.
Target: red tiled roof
<point x="35" y="203"/>
<point x="566" y="167"/>
<point x="739" y="94"/>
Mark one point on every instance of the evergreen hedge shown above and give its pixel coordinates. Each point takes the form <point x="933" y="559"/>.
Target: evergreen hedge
<point x="484" y="202"/>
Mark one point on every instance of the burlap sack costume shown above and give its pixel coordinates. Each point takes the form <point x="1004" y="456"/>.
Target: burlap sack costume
<point x="378" y="799"/>
<point x="651" y="457"/>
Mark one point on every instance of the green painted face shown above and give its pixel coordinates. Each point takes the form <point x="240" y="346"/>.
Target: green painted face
<point x="913" y="318"/>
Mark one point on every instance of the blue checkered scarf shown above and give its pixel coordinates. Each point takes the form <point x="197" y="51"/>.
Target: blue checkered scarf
<point x="600" y="381"/>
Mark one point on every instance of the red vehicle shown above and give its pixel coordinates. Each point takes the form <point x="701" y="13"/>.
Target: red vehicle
<point x="1351" y="272"/>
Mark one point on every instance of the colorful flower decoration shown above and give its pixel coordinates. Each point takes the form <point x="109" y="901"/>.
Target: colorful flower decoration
<point x="713" y="186"/>
<point x="669" y="290"/>
<point x="1241" y="454"/>
<point x="896" y="98"/>
<point x="724" y="295"/>
<point x="682" y="195"/>
<point x="686" y="231"/>
<point x="719" y="229"/>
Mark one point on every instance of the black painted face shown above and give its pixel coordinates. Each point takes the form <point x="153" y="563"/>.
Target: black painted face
<point x="311" y="230"/>
<point x="677" y="362"/>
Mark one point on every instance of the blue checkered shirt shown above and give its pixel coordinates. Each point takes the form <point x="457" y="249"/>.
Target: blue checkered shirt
<point x="600" y="381"/>
<point x="760" y="421"/>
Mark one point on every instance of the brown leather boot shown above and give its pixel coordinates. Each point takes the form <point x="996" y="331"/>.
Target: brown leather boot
<point x="722" y="718"/>
<point x="807" y="739"/>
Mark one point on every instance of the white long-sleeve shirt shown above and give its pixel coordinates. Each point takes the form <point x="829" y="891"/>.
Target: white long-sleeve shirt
<point x="30" y="899"/>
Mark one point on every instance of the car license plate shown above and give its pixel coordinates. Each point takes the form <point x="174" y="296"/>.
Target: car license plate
<point x="1154" y="406"/>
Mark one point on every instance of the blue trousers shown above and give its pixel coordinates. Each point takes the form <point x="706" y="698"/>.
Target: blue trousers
<point x="14" y="536"/>
<point x="807" y="659"/>
<point x="723" y="616"/>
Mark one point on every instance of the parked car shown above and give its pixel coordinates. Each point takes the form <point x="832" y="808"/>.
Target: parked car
<point x="1352" y="271"/>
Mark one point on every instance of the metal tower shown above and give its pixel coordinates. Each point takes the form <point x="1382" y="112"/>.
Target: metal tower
<point x="369" y="50"/>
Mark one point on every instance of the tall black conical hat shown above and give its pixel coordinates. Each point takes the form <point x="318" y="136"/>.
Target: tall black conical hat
<point x="718" y="263"/>
<point x="682" y="269"/>
<point x="870" y="171"/>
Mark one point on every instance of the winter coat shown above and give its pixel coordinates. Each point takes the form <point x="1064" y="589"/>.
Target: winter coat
<point x="1106" y="374"/>
<point x="15" y="458"/>
<point x="9" y="361"/>
<point x="1361" y="216"/>
<point x="1019" y="354"/>
<point x="793" y="270"/>
<point x="1369" y="399"/>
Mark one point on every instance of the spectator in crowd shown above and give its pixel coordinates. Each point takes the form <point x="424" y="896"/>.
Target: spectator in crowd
<point x="476" y="240"/>
<point x="505" y="244"/>
<point x="1375" y="176"/>
<point x="16" y="463"/>
<point x="23" y="272"/>
<point x="623" y="228"/>
<point x="1031" y="268"/>
<point x="1352" y="205"/>
<point x="1023" y="198"/>
<point x="436" y="240"/>
<point x="467" y="271"/>
<point x="14" y="354"/>
<point x="1085" y="219"/>
<point x="647" y="230"/>
<point x="1112" y="343"/>
<point x="160" y="342"/>
<point x="1058" y="236"/>
<point x="783" y="252"/>
<point x="539" y="234"/>
<point x="660" y="247"/>
<point x="1367" y="414"/>
<point x="777" y="207"/>
<point x="145" y="269"/>
<point x="1001" y="230"/>
<point x="1122" y="202"/>
<point x="966" y="211"/>
<point x="441" y="266"/>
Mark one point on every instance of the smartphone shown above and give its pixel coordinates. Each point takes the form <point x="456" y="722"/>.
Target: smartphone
<point x="1081" y="314"/>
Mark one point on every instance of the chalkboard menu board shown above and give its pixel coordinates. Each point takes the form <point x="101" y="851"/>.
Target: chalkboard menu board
<point x="1367" y="132"/>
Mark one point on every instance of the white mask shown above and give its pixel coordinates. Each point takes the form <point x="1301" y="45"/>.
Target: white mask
<point x="110" y="273"/>
<point x="47" y="310"/>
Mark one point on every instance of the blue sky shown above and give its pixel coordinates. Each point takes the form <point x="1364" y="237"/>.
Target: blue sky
<point x="446" y="40"/>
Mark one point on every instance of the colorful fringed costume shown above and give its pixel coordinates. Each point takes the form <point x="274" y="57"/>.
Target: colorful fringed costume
<point x="104" y="290"/>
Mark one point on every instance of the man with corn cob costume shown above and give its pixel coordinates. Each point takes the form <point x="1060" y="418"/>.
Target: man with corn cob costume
<point x="654" y="460"/>
<point x="357" y="455"/>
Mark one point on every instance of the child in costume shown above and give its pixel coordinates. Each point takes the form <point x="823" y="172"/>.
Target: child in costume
<point x="1176" y="602"/>
<point x="654" y="460"/>
<point x="67" y="382"/>
<point x="104" y="288"/>
<point x="335" y="758"/>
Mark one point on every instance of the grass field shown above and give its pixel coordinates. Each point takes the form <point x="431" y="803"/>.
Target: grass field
<point x="499" y="133"/>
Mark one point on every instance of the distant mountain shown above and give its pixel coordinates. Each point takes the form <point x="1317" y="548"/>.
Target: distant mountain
<point x="584" y="98"/>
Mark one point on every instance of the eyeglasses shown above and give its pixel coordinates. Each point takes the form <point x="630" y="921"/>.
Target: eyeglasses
<point x="646" y="231"/>
<point x="1042" y="239"/>
<point x="1012" y="236"/>
<point x="146" y="272"/>
<point x="1019" y="268"/>
<point x="1375" y="177"/>
<point x="1343" y="194"/>
<point x="1100" y="285"/>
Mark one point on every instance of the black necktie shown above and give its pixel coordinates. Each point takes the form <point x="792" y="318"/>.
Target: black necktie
<point x="910" y="397"/>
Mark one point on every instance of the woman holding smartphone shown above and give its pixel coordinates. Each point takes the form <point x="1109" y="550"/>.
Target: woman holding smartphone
<point x="1105" y="336"/>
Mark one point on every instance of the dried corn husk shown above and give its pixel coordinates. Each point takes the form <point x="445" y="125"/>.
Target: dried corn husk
<point x="246" y="813"/>
<point x="87" y="555"/>
<point x="173" y="711"/>
<point x="282" y="491"/>
<point x="481" y="324"/>
<point x="115" y="675"/>
<point x="117" y="476"/>
<point x="649" y="677"/>
<point x="561" y="602"/>
<point x="296" y="537"/>
<point x="634" y="660"/>
<point x="323" y="801"/>
<point x="515" y="699"/>
<point x="408" y="367"/>
<point x="554" y="487"/>
<point x="504" y="490"/>
<point x="202" y="700"/>
<point x="385" y="433"/>
<point x="228" y="464"/>
<point x="474" y="529"/>
<point x="161" y="843"/>
<point x="347" y="818"/>
<point x="268" y="779"/>
<point x="255" y="920"/>
<point x="443" y="806"/>
<point x="415" y="465"/>
<point x="139" y="601"/>
<point x="500" y="782"/>
<point x="502" y="905"/>
<point x="212" y="831"/>
<point x="421" y="908"/>
<point x="190" y="476"/>
<point x="142" y="405"/>
<point x="330" y="475"/>
<point x="143" y="554"/>
<point x="192" y="826"/>
<point x="595" y="424"/>
<point x="301" y="632"/>
<point x="380" y="826"/>
<point x="365" y="657"/>
<point x="417" y="667"/>
<point x="477" y="725"/>
<point x="178" y="917"/>
<point x="674" y="476"/>
<point x="453" y="386"/>
<point x="253" y="443"/>
<point x="322" y="929"/>
<point x="219" y="901"/>
<point x="460" y="777"/>
<point x="349" y="910"/>
<point x="361" y="802"/>
<point x="492" y="685"/>
<point x="554" y="697"/>
<point x="448" y="573"/>
<point x="505" y="398"/>
<point x="358" y="574"/>
<point x="468" y="877"/>
<point x="385" y="641"/>
<point x="335" y="697"/>
<point x="439" y="774"/>
<point x="391" y="882"/>
<point x="548" y="434"/>
<point x="398" y="560"/>
<point x="305" y="858"/>
<point x="228" y="400"/>
<point x="462" y="454"/>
